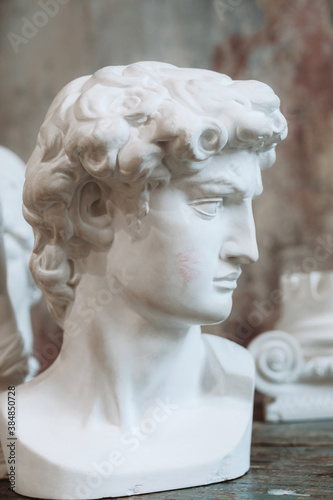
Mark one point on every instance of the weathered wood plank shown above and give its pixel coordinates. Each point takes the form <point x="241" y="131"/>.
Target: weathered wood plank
<point x="280" y="462"/>
<point x="319" y="433"/>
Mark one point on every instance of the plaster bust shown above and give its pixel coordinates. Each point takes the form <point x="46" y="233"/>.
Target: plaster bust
<point x="13" y="358"/>
<point x="18" y="243"/>
<point x="140" y="195"/>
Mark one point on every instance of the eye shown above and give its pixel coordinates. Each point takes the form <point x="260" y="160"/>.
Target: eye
<point x="207" y="208"/>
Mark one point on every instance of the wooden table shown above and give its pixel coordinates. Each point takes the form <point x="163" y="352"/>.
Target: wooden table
<point x="289" y="461"/>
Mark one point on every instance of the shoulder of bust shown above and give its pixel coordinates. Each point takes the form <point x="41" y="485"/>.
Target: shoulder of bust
<point x="234" y="358"/>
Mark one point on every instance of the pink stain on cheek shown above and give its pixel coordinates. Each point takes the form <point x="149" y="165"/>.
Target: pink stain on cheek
<point x="187" y="265"/>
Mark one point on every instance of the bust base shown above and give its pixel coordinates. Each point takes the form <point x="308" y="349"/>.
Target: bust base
<point x="199" y="443"/>
<point x="297" y="387"/>
<point x="309" y="405"/>
<point x="79" y="485"/>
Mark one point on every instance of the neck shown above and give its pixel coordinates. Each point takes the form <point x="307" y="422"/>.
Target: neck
<point x="129" y="362"/>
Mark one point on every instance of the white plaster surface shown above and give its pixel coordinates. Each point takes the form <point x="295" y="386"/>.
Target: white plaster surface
<point x="295" y="363"/>
<point x="17" y="291"/>
<point x="140" y="193"/>
<point x="18" y="243"/>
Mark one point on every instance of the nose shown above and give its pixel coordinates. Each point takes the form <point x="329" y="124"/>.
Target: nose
<point x="240" y="242"/>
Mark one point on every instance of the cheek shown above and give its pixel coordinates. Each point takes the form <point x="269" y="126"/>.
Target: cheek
<point x="191" y="264"/>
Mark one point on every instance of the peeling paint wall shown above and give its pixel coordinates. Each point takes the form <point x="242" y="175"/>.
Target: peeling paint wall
<point x="293" y="52"/>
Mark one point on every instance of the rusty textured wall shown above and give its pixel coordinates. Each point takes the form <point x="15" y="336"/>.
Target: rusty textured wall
<point x="46" y="43"/>
<point x="82" y="36"/>
<point x="293" y="52"/>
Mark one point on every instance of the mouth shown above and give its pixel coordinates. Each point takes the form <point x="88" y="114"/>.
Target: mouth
<point x="228" y="282"/>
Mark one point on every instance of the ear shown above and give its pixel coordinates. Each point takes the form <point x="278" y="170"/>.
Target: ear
<point x="92" y="215"/>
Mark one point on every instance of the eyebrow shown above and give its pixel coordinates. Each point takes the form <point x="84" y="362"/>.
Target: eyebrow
<point x="213" y="186"/>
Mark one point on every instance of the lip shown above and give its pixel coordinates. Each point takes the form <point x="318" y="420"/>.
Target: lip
<point x="228" y="282"/>
<point x="226" y="285"/>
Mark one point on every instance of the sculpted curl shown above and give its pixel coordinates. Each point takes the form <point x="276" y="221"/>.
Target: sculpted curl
<point x="126" y="129"/>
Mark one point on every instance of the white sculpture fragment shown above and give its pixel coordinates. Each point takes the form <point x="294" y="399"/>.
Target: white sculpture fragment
<point x="140" y="194"/>
<point x="18" y="243"/>
<point x="295" y="362"/>
<point x="13" y="358"/>
<point x="17" y="289"/>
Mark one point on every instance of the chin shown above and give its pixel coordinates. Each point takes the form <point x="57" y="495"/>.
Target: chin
<point x="214" y="321"/>
<point x="205" y="317"/>
<point x="216" y="317"/>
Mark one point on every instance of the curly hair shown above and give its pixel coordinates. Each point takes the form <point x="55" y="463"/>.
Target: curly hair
<point x="129" y="128"/>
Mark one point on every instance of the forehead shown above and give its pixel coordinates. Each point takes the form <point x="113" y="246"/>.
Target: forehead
<point x="237" y="171"/>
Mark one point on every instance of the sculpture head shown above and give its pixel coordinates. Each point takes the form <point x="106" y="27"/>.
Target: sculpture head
<point x="120" y="165"/>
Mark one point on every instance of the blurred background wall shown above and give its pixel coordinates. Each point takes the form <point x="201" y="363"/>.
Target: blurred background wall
<point x="289" y="45"/>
